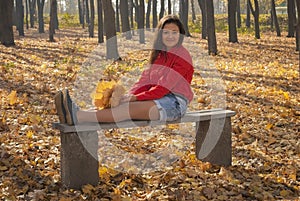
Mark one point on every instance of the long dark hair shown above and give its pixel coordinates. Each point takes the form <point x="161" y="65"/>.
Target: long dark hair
<point x="158" y="45"/>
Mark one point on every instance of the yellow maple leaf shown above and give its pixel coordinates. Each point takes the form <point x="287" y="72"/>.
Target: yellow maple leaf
<point x="12" y="97"/>
<point x="29" y="134"/>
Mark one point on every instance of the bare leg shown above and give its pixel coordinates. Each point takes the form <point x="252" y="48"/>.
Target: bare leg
<point x="139" y="110"/>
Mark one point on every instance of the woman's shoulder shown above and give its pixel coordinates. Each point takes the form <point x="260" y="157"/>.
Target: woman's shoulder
<point x="183" y="53"/>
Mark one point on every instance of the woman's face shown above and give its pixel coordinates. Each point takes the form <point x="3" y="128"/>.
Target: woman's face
<point x="170" y="35"/>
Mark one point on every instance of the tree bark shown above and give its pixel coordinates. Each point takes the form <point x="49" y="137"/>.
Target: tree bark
<point x="291" y="18"/>
<point x="184" y="11"/>
<point x="148" y="13"/>
<point x="6" y="23"/>
<point x="118" y="15"/>
<point x="232" y="5"/>
<point x="274" y="17"/>
<point x="125" y="19"/>
<point x="100" y="22"/>
<point x="140" y="4"/>
<point x="211" y="32"/>
<point x="238" y="14"/>
<point x="298" y="31"/>
<point x="20" y="17"/>
<point x="202" y="4"/>
<point x="40" y="4"/>
<point x="248" y="15"/>
<point x="162" y="9"/>
<point x="92" y="20"/>
<point x="154" y="14"/>
<point x="193" y="11"/>
<point x="32" y="9"/>
<point x="53" y="8"/>
<point x="110" y="31"/>
<point x="255" y="14"/>
<point x="169" y="7"/>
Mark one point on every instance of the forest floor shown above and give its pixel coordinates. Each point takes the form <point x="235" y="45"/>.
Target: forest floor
<point x="258" y="78"/>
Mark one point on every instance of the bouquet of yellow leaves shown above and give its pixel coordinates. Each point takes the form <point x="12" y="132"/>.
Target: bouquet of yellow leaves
<point x="107" y="94"/>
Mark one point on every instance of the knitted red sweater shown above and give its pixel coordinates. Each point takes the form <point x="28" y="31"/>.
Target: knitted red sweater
<point x="171" y="72"/>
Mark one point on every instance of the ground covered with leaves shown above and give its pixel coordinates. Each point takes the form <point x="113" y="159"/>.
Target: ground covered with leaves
<point x="261" y="82"/>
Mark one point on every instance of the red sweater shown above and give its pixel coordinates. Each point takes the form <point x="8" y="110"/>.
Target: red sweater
<point x="171" y="72"/>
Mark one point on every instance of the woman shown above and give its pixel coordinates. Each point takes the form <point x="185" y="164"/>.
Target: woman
<point x="162" y="92"/>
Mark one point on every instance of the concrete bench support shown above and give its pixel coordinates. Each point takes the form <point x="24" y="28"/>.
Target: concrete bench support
<point x="79" y="166"/>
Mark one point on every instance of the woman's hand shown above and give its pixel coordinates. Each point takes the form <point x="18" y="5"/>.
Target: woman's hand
<point x="128" y="98"/>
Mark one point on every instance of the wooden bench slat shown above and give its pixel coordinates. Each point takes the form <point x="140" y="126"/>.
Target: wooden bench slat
<point x="194" y="116"/>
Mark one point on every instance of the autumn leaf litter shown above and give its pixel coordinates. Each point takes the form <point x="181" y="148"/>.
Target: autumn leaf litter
<point x="261" y="84"/>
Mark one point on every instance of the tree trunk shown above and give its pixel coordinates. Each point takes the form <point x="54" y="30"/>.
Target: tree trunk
<point x="184" y="11"/>
<point x="238" y="14"/>
<point x="211" y="32"/>
<point x="169" y="7"/>
<point x="125" y="19"/>
<point x="100" y="22"/>
<point x="32" y="9"/>
<point x="255" y="14"/>
<point x="274" y="17"/>
<point x="27" y="13"/>
<point x="202" y="4"/>
<point x="87" y="12"/>
<point x="154" y="14"/>
<point x="20" y="17"/>
<point x="92" y="20"/>
<point x="298" y="31"/>
<point x="53" y="7"/>
<point x="118" y="16"/>
<point x="148" y="13"/>
<point x="40" y="4"/>
<point x="248" y="15"/>
<point x="141" y="21"/>
<point x="6" y="23"/>
<point x="232" y="5"/>
<point x="110" y="31"/>
<point x="131" y="7"/>
<point x="80" y="12"/>
<point x="291" y="18"/>
<point x="162" y="9"/>
<point x="193" y="11"/>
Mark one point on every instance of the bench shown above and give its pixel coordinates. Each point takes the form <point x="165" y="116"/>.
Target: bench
<point x="80" y="166"/>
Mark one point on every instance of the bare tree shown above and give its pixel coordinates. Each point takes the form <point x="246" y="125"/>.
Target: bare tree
<point x="6" y="23"/>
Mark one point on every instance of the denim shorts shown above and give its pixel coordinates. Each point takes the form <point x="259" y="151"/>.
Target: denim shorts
<point x="171" y="107"/>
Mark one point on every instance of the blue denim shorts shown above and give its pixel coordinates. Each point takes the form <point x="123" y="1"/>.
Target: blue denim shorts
<point x="171" y="107"/>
